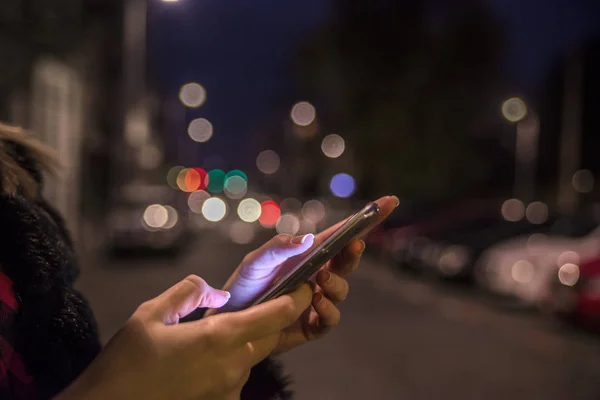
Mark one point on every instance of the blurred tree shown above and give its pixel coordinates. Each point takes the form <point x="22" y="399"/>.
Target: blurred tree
<point x="410" y="85"/>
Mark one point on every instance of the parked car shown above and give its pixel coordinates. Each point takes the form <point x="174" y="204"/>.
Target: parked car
<point x="574" y="293"/>
<point x="524" y="266"/>
<point x="456" y="253"/>
<point x="146" y="219"/>
<point x="405" y="243"/>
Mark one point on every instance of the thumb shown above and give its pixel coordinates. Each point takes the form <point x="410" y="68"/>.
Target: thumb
<point x="191" y="293"/>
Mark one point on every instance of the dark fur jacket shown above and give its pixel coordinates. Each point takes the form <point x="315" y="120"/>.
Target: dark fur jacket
<point x="54" y="330"/>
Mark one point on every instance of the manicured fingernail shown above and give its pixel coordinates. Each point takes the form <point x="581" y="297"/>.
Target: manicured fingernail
<point x="302" y="239"/>
<point x="227" y="294"/>
<point x="396" y="201"/>
<point x="318" y="298"/>
<point x="327" y="277"/>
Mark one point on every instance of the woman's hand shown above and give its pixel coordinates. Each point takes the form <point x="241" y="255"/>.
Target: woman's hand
<point x="258" y="268"/>
<point x="155" y="357"/>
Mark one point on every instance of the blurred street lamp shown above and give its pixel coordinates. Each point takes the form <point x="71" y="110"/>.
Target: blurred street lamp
<point x="514" y="109"/>
<point x="192" y="95"/>
<point x="303" y="113"/>
<point x="200" y="130"/>
<point x="333" y="146"/>
<point x="526" y="153"/>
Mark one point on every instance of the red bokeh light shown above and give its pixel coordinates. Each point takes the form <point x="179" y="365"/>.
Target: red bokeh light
<point x="270" y="213"/>
<point x="203" y="178"/>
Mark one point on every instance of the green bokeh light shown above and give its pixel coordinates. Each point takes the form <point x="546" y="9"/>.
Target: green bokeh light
<point x="216" y="181"/>
<point x="237" y="172"/>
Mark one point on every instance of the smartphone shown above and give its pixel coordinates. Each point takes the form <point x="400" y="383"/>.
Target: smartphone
<point x="311" y="263"/>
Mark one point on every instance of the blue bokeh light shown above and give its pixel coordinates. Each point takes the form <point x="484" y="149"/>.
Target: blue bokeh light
<point x="342" y="185"/>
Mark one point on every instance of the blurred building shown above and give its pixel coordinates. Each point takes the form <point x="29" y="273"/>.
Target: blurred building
<point x="46" y="83"/>
<point x="74" y="73"/>
<point x="567" y="104"/>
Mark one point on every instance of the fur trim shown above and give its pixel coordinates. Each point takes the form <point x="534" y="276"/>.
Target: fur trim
<point x="56" y="330"/>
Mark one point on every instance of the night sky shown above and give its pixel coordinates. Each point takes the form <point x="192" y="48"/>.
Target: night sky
<point x="238" y="50"/>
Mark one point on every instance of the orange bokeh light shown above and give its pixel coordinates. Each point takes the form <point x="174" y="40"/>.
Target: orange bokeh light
<point x="192" y="180"/>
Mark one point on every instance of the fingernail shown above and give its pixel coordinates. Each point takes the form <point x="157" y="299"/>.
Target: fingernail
<point x="363" y="246"/>
<point x="301" y="239"/>
<point x="327" y="277"/>
<point x="396" y="201"/>
<point x="318" y="298"/>
<point x="226" y="294"/>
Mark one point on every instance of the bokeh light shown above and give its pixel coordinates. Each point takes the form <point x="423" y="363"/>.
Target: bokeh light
<point x="204" y="178"/>
<point x="200" y="130"/>
<point x="333" y="146"/>
<point x="568" y="274"/>
<point x="192" y="95"/>
<point x="172" y="176"/>
<point x="241" y="233"/>
<point x="522" y="272"/>
<point x="567" y="257"/>
<point x="196" y="200"/>
<point x="192" y="180"/>
<point x="288" y="224"/>
<point x="249" y="210"/>
<point x="172" y="218"/>
<point x="452" y="259"/>
<point x="342" y="185"/>
<point x="216" y="181"/>
<point x="237" y="172"/>
<point x="583" y="181"/>
<point x="514" y="109"/>
<point x="270" y="213"/>
<point x="303" y="113"/>
<point x="181" y="183"/>
<point x="235" y="187"/>
<point x="268" y="162"/>
<point x="291" y="205"/>
<point x="313" y="211"/>
<point x="156" y="216"/>
<point x="537" y="213"/>
<point x="214" y="209"/>
<point x="513" y="210"/>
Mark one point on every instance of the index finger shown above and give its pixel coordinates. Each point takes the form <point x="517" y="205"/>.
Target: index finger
<point x="271" y="317"/>
<point x="386" y="206"/>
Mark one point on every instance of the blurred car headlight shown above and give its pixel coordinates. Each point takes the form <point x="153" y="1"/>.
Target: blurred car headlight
<point x="453" y="259"/>
<point x="523" y="272"/>
<point x="568" y="274"/>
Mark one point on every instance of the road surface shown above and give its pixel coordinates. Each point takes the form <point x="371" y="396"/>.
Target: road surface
<point x="399" y="338"/>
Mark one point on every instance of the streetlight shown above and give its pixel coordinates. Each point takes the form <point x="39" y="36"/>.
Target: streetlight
<point x="515" y="110"/>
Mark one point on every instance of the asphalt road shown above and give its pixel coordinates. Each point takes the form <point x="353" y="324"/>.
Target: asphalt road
<point x="399" y="338"/>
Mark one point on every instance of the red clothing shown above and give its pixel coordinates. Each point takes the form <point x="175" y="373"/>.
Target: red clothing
<point x="15" y="382"/>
